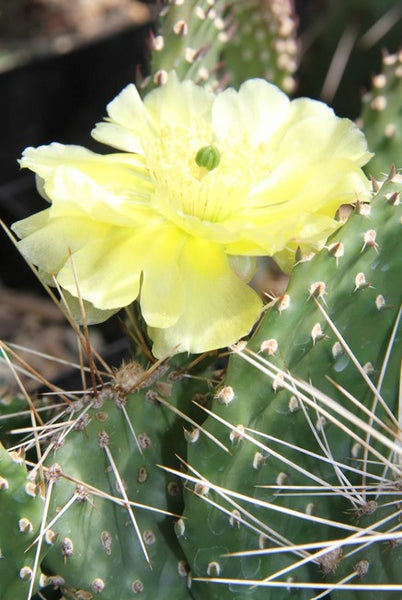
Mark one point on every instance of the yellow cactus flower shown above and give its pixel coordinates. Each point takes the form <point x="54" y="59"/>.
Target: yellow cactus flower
<point x="201" y="185"/>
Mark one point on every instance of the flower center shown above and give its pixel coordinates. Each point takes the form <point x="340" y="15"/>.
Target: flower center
<point x="187" y="180"/>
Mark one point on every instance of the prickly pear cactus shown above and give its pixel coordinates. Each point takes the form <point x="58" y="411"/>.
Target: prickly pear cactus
<point x="190" y="40"/>
<point x="21" y="517"/>
<point x="382" y="116"/>
<point x="264" y="43"/>
<point x="292" y="483"/>
<point x="309" y="411"/>
<point x="111" y="506"/>
<point x="10" y="405"/>
<point x="217" y="43"/>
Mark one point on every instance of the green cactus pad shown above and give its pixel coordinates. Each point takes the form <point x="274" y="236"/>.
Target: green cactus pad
<point x="21" y="509"/>
<point x="190" y="39"/>
<point x="382" y="116"/>
<point x="217" y="43"/>
<point x="264" y="44"/>
<point x="108" y="459"/>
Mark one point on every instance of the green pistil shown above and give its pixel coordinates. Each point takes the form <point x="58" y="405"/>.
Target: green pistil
<point x="208" y="157"/>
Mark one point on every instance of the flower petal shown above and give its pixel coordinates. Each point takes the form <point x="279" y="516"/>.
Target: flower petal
<point x="129" y="121"/>
<point x="163" y="288"/>
<point x="179" y="103"/>
<point x="120" y="174"/>
<point x="219" y="309"/>
<point x="117" y="136"/>
<point x="48" y="241"/>
<point x="287" y="205"/>
<point x="106" y="270"/>
<point x="74" y="193"/>
<point x="92" y="314"/>
<point x="250" y="116"/>
<point x="333" y="137"/>
<point x="112" y="269"/>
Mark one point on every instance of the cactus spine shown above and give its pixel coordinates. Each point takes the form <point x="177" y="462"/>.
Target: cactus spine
<point x="21" y="515"/>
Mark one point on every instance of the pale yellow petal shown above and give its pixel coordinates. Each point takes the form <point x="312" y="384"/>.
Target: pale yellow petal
<point x="117" y="136"/>
<point x="163" y="287"/>
<point x="107" y="269"/>
<point x="30" y="224"/>
<point x="112" y="269"/>
<point x="47" y="241"/>
<point x="91" y="316"/>
<point x="287" y="207"/>
<point x="129" y="121"/>
<point x="132" y="121"/>
<point x="115" y="188"/>
<point x="250" y="116"/>
<point x="179" y="104"/>
<point x="313" y="133"/>
<point x="128" y="109"/>
<point x="122" y="174"/>
<point x="73" y="193"/>
<point x="219" y="308"/>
